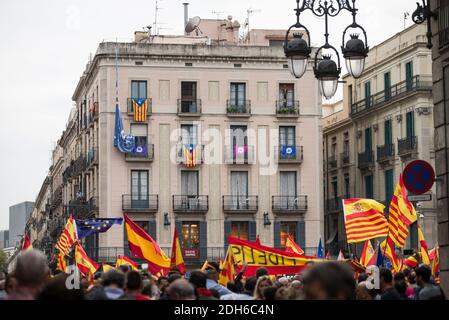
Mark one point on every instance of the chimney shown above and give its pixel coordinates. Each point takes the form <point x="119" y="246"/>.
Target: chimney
<point x="186" y="15"/>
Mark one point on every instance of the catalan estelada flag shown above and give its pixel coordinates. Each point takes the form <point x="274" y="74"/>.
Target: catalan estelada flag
<point x="401" y="215"/>
<point x="26" y="245"/>
<point x="143" y="246"/>
<point x="291" y="246"/>
<point x="67" y="238"/>
<point x="61" y="265"/>
<point x="85" y="264"/>
<point x="190" y="155"/>
<point x="388" y="250"/>
<point x="364" y="219"/>
<point x="367" y="253"/>
<point x="140" y="109"/>
<point x="125" y="261"/>
<point x="176" y="259"/>
<point x="423" y="251"/>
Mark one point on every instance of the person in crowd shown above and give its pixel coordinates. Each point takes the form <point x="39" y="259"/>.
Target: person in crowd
<point x="362" y="277"/>
<point x="173" y="277"/>
<point x="282" y="282"/>
<point x="232" y="287"/>
<point x="261" y="272"/>
<point x="56" y="289"/>
<point x="270" y="293"/>
<point x="427" y="290"/>
<point x="362" y="292"/>
<point x="388" y="291"/>
<point x="297" y="286"/>
<point x="331" y="280"/>
<point x="147" y="292"/>
<point x="262" y="283"/>
<point x="199" y="279"/>
<point x="112" y="287"/>
<point x="247" y="293"/>
<point x="31" y="272"/>
<point x="401" y="287"/>
<point x="213" y="274"/>
<point x="402" y="277"/>
<point x="133" y="287"/>
<point x="181" y="289"/>
<point x="162" y="284"/>
<point x="285" y="293"/>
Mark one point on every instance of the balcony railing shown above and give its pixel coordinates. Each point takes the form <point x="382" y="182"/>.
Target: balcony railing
<point x="332" y="162"/>
<point x="130" y="106"/>
<point x="289" y="204"/>
<point x="56" y="198"/>
<point x="189" y="107"/>
<point x="385" y="152"/>
<point x="92" y="158"/>
<point x="241" y="204"/>
<point x="443" y="36"/>
<point x="146" y="153"/>
<point x="334" y="205"/>
<point x="345" y="158"/>
<point x="289" y="154"/>
<point x="189" y="155"/>
<point x="75" y="168"/>
<point x="365" y="159"/>
<point x="395" y="92"/>
<point x="140" y="203"/>
<point x="93" y="114"/>
<point x="286" y="108"/>
<point x="238" y="108"/>
<point x="407" y="145"/>
<point x="190" y="204"/>
<point x="237" y="154"/>
<point x="83" y="209"/>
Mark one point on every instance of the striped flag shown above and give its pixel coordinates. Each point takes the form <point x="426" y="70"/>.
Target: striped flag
<point x="86" y="265"/>
<point x="364" y="219"/>
<point x="140" y="108"/>
<point x="411" y="261"/>
<point x="61" y="264"/>
<point x="106" y="267"/>
<point x="401" y="215"/>
<point x="67" y="238"/>
<point x="176" y="259"/>
<point x="367" y="253"/>
<point x="388" y="250"/>
<point x="425" y="258"/>
<point x="291" y="246"/>
<point x="125" y="261"/>
<point x="435" y="266"/>
<point x="227" y="269"/>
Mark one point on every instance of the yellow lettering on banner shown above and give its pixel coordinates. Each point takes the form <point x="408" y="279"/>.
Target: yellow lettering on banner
<point x="255" y="257"/>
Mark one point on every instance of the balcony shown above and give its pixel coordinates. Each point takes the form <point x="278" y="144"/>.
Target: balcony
<point x="394" y="93"/>
<point x="407" y="146"/>
<point x="188" y="155"/>
<point x="332" y="162"/>
<point x="365" y="160"/>
<point x="190" y="204"/>
<point x="92" y="158"/>
<point x="289" y="154"/>
<point x="345" y="159"/>
<point x="289" y="204"/>
<point x="238" y="108"/>
<point x="105" y="254"/>
<point x="83" y="209"/>
<point x="146" y="102"/>
<point x="140" y="203"/>
<point x="145" y="154"/>
<point x="334" y="205"/>
<point x="93" y="114"/>
<point x="56" y="198"/>
<point x="189" y="107"/>
<point x="55" y="226"/>
<point x="287" y="109"/>
<point x="239" y="154"/>
<point x="240" y="204"/>
<point x="443" y="36"/>
<point x="385" y="153"/>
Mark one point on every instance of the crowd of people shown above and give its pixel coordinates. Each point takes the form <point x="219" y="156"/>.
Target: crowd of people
<point x="32" y="280"/>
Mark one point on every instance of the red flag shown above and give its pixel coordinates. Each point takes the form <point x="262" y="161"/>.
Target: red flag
<point x="328" y="254"/>
<point x="176" y="259"/>
<point x="26" y="245"/>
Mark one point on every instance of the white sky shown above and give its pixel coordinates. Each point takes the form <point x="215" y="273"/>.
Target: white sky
<point x="46" y="44"/>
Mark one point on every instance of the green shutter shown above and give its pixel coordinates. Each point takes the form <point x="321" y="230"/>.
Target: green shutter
<point x="409" y="75"/>
<point x="369" y="188"/>
<point x="368" y="93"/>
<point x="388" y="186"/>
<point x="277" y="235"/>
<point x="387" y="85"/>
<point x="368" y="140"/>
<point x="178" y="225"/>
<point x="252" y="234"/>
<point x="410" y="124"/>
<point x="152" y="229"/>
<point x="387" y="133"/>
<point x="301" y="234"/>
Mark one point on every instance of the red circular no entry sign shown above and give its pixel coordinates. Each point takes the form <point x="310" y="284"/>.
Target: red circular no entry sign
<point x="418" y="177"/>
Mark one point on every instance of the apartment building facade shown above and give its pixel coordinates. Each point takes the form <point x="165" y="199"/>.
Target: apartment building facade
<point x="384" y="122"/>
<point x="229" y="146"/>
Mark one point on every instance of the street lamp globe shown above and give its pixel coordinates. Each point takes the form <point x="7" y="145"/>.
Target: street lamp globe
<point x="355" y="53"/>
<point x="297" y="52"/>
<point x="327" y="74"/>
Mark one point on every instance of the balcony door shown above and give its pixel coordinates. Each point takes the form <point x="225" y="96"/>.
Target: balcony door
<point x="189" y="189"/>
<point x="287" y="136"/>
<point x="409" y="75"/>
<point x="239" y="189"/>
<point x="286" y="95"/>
<point x="410" y="125"/>
<point x="239" y="140"/>
<point x="368" y="141"/>
<point x="238" y="96"/>
<point x="387" y="85"/>
<point x="189" y="97"/>
<point x="138" y="89"/>
<point x="189" y="134"/>
<point x="388" y="136"/>
<point x="139" y="189"/>
<point x="288" y="189"/>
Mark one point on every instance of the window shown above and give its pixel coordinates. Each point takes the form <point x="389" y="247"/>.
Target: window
<point x="188" y="97"/>
<point x="334" y="184"/>
<point x="347" y="186"/>
<point x="288" y="189"/>
<point x="189" y="134"/>
<point x="286" y="95"/>
<point x="387" y="85"/>
<point x="190" y="234"/>
<point x="368" y="140"/>
<point x="139" y="189"/>
<point x="443" y="21"/>
<point x="145" y="225"/>
<point x="409" y="75"/>
<point x="287" y="136"/>
<point x="346" y="143"/>
<point x="368" y="94"/>
<point x="239" y="183"/>
<point x="389" y="186"/>
<point x="189" y="183"/>
<point x="334" y="147"/>
<point x="388" y="137"/>
<point x="239" y="142"/>
<point x="369" y="187"/>
<point x="350" y="97"/>
<point x="138" y="89"/>
<point x="410" y="124"/>
<point x="238" y="95"/>
<point x="239" y="229"/>
<point x="288" y="229"/>
<point x="140" y="132"/>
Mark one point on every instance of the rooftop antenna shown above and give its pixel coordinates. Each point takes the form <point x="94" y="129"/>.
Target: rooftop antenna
<point x="406" y="16"/>
<point x="156" y="13"/>
<point x="193" y="25"/>
<point x="249" y="13"/>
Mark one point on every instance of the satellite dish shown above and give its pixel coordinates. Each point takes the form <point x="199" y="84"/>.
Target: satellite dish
<point x="193" y="24"/>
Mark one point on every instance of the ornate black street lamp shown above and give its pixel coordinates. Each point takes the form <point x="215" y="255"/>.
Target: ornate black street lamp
<point x="424" y="14"/>
<point x="326" y="70"/>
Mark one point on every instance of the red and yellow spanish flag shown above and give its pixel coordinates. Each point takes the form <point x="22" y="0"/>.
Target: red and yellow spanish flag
<point x="125" y="261"/>
<point x="61" y="265"/>
<point x="227" y="269"/>
<point x="411" y="261"/>
<point x="106" y="267"/>
<point x="291" y="246"/>
<point x="423" y="251"/>
<point x="140" y="109"/>
<point x="435" y="266"/>
<point x="143" y="246"/>
<point x="86" y="265"/>
<point x="367" y="253"/>
<point x="364" y="219"/>
<point x="176" y="259"/>
<point x="277" y="262"/>
<point x="388" y="250"/>
<point x="401" y="215"/>
<point x="26" y="245"/>
<point x="67" y="238"/>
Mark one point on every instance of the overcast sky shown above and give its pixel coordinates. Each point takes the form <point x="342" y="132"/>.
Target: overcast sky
<point x="46" y="44"/>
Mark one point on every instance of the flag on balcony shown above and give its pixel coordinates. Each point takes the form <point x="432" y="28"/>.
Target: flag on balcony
<point x="240" y="150"/>
<point x="401" y="215"/>
<point x="388" y="250"/>
<point x="291" y="246"/>
<point x="176" y="259"/>
<point x="61" y="264"/>
<point x="287" y="151"/>
<point x="190" y="155"/>
<point x="125" y="261"/>
<point x="423" y="251"/>
<point x="227" y="268"/>
<point x="85" y="228"/>
<point x="364" y="219"/>
<point x="67" y="238"/>
<point x="367" y="253"/>
<point x="86" y="265"/>
<point x="143" y="246"/>
<point x="26" y="245"/>
<point x="124" y="143"/>
<point x="140" y="108"/>
<point x="141" y="149"/>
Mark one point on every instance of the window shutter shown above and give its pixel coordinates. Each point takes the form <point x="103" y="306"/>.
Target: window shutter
<point x="301" y="234"/>
<point x="152" y="229"/>
<point x="227" y="232"/>
<point x="277" y="235"/>
<point x="178" y="225"/>
<point x="203" y="240"/>
<point x="252" y="231"/>
<point x="126" y="251"/>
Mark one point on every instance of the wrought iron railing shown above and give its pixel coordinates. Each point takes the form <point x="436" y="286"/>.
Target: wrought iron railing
<point x="238" y="107"/>
<point x="289" y="154"/>
<point x="190" y="204"/>
<point x="143" y="155"/>
<point x="345" y="158"/>
<point x="130" y="106"/>
<point x="239" y="154"/>
<point x="289" y="204"/>
<point x="334" y="205"/>
<point x="189" y="156"/>
<point x="189" y="107"/>
<point x="92" y="157"/>
<point x="385" y="152"/>
<point x="240" y="203"/>
<point x="332" y="162"/>
<point x="140" y="203"/>
<point x="286" y="108"/>
<point x="407" y="145"/>
<point x="365" y="159"/>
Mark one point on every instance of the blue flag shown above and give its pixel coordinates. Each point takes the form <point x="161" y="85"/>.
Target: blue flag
<point x="380" y="257"/>
<point x="87" y="227"/>
<point x="288" y="151"/>
<point x="319" y="251"/>
<point x="124" y="143"/>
